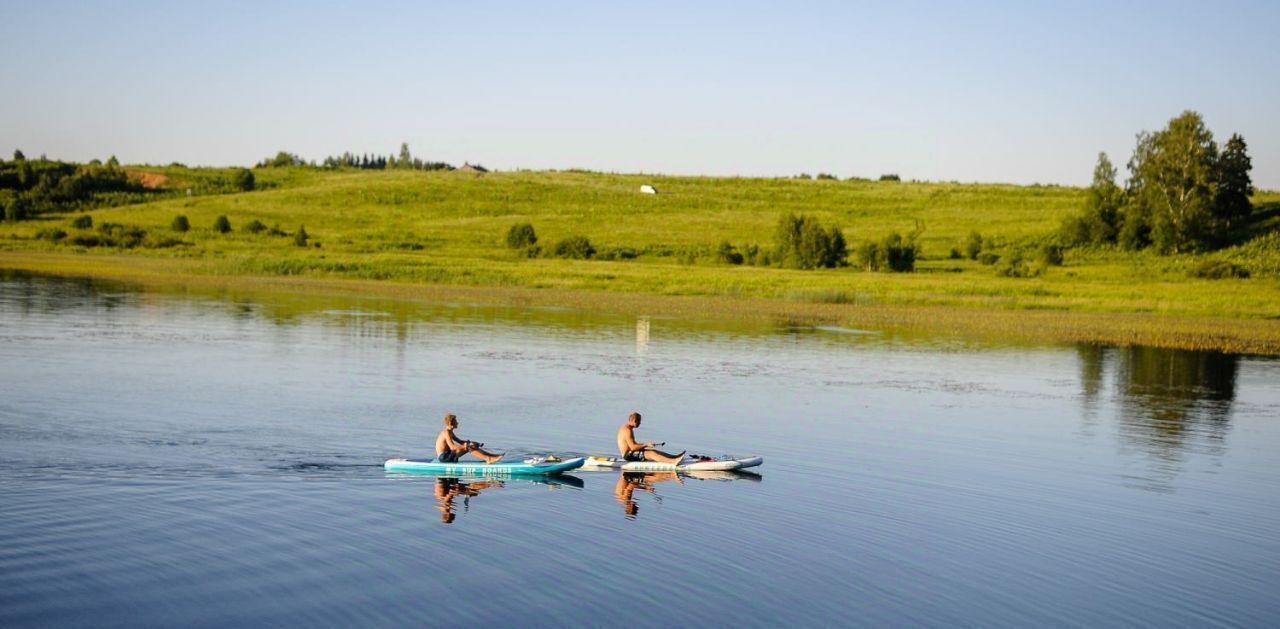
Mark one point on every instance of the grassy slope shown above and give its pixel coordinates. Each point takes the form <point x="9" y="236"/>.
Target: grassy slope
<point x="370" y="222"/>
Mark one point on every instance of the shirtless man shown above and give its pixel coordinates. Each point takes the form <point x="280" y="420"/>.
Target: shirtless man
<point x="449" y="448"/>
<point x="632" y="451"/>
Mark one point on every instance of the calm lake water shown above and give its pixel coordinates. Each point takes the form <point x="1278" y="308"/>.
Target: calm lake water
<point x="216" y="460"/>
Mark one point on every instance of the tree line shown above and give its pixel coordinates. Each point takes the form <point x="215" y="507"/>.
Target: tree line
<point x="1183" y="193"/>
<point x="31" y="186"/>
<point x="365" y="161"/>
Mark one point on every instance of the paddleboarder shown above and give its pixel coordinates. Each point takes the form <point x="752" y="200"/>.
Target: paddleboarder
<point x="449" y="448"/>
<point x="633" y="451"/>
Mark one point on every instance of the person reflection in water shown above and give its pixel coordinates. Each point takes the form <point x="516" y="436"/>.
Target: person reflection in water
<point x="449" y="448"/>
<point x="449" y="488"/>
<point x="629" y="482"/>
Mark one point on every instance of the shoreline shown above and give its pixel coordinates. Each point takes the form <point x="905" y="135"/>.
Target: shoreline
<point x="1236" y="335"/>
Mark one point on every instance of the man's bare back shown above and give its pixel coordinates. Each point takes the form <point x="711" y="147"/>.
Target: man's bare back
<point x="632" y="450"/>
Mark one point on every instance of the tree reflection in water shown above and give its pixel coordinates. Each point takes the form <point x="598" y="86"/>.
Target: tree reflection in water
<point x="1169" y="402"/>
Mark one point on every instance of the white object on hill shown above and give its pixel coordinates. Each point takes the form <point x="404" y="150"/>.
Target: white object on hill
<point x="648" y="189"/>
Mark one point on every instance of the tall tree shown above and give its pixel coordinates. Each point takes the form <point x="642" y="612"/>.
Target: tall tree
<point x="1232" y="206"/>
<point x="1174" y="184"/>
<point x="1102" y="203"/>
<point x="406" y="160"/>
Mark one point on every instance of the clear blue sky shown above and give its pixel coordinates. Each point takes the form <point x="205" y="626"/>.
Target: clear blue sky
<point x="1020" y="91"/>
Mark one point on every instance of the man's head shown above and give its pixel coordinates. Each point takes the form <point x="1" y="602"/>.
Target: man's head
<point x="450" y="421"/>
<point x="633" y="420"/>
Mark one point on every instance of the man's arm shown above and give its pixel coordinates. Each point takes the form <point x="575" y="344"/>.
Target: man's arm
<point x="629" y="439"/>
<point x="453" y="440"/>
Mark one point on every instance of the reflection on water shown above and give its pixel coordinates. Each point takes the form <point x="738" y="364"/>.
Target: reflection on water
<point x="166" y="458"/>
<point x="1167" y="402"/>
<point x="449" y="489"/>
<point x="629" y="482"/>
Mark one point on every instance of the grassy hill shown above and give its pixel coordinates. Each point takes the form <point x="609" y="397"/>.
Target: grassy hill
<point x="449" y="228"/>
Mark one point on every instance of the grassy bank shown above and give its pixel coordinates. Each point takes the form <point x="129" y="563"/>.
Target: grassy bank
<point x="432" y="233"/>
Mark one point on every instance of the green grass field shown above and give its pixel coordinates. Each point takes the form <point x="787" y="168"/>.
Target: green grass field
<point x="449" y="228"/>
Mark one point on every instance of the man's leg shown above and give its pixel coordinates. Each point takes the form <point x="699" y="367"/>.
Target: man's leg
<point x="662" y="457"/>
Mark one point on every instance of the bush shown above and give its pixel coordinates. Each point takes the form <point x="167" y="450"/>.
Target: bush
<point x="84" y="221"/>
<point x="521" y="236"/>
<point x="300" y="237"/>
<point x="988" y="257"/>
<point x="255" y="227"/>
<point x="1013" y="265"/>
<point x="728" y="254"/>
<point x="617" y="253"/>
<point x="899" y="254"/>
<point x="894" y="253"/>
<point x="890" y="177"/>
<point x="162" y="242"/>
<point x="181" y="224"/>
<point x="576" y="247"/>
<point x="1051" y="255"/>
<point x="242" y="180"/>
<point x="827" y="177"/>
<point x="955" y="254"/>
<point x="52" y="235"/>
<point x="17" y="209"/>
<point x="276" y="231"/>
<point x="804" y="244"/>
<point x="973" y="245"/>
<point x="222" y="225"/>
<point x="115" y="235"/>
<point x="1218" y="270"/>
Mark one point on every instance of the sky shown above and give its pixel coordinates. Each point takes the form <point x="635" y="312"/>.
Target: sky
<point x="1022" y="92"/>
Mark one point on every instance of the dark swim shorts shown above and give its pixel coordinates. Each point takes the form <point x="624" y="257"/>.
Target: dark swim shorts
<point x="446" y="457"/>
<point x="634" y="455"/>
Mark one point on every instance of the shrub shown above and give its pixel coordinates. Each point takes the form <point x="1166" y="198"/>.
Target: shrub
<point x="116" y="235"/>
<point x="754" y="255"/>
<point x="827" y="177"/>
<point x="521" y="236"/>
<point x="894" y="254"/>
<point x="276" y="231"/>
<point x="84" y="221"/>
<point x="52" y="235"/>
<point x="242" y="180"/>
<point x="181" y="224"/>
<point x="868" y="255"/>
<point x="617" y="253"/>
<point x="255" y="226"/>
<point x="532" y="251"/>
<point x="85" y="240"/>
<point x="222" y="225"/>
<point x="1218" y="270"/>
<point x="899" y="253"/>
<point x="890" y="177"/>
<point x="300" y="237"/>
<point x="162" y="242"/>
<point x="576" y="247"/>
<point x="955" y="254"/>
<point x="728" y="254"/>
<point x="973" y="245"/>
<point x="804" y="244"/>
<point x="1051" y="255"/>
<point x="1013" y="265"/>
<point x="988" y="257"/>
<point x="17" y="209"/>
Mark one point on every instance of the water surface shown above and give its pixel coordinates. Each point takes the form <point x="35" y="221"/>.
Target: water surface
<point x="190" y="460"/>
